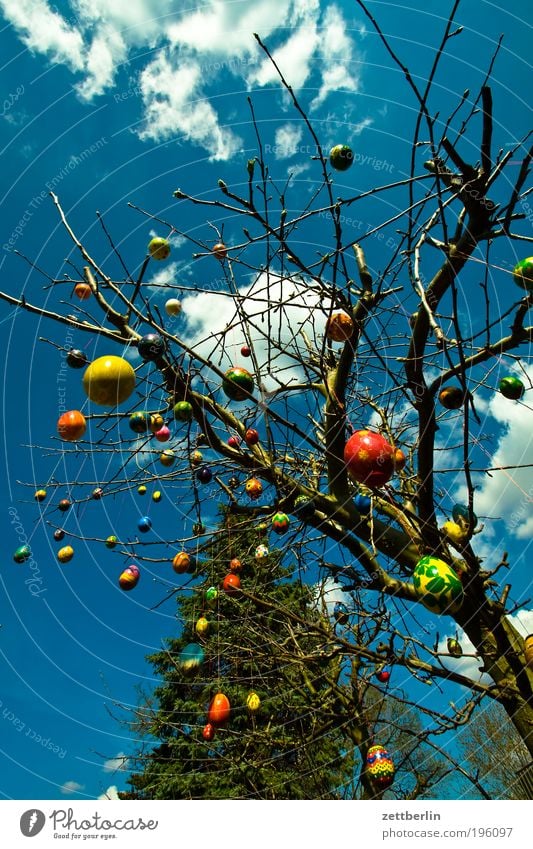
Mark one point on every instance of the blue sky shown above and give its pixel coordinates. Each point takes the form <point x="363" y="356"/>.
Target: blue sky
<point x="125" y="104"/>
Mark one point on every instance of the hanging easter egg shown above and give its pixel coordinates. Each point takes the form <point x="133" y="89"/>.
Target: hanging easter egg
<point x="151" y="347"/>
<point x="455" y="533"/>
<point x="159" y="248"/>
<point x="231" y="584"/>
<point x="109" y="381"/>
<point x="220" y="251"/>
<point x="162" y="435"/>
<point x="383" y="676"/>
<point x="21" y="554"/>
<point x="191" y="657"/>
<point x="196" y="458"/>
<point x="511" y="387"/>
<point x="76" y="359"/>
<point x="304" y="507"/>
<point x="167" y="458"/>
<point x="184" y="562"/>
<point x="451" y="397"/>
<point x="157" y="496"/>
<point x="202" y="626"/>
<point x="208" y="732"/>
<point x="172" y="307"/>
<point x="380" y="767"/>
<point x="142" y="490"/>
<point x="362" y="503"/>
<point x="111" y="541"/>
<point x="156" y="422"/>
<point x="40" y="495"/>
<point x="253" y="702"/>
<point x="64" y="505"/>
<point x="234" y="441"/>
<point x="144" y="524"/>
<point x="253" y="488"/>
<point x="262" y="528"/>
<point x="454" y="647"/>
<point x="97" y="493"/>
<point x="83" y="291"/>
<point x="280" y="523"/>
<point x="528" y="651"/>
<point x="183" y="411"/>
<point x="233" y="482"/>
<point x="211" y="596"/>
<point x="237" y="383"/>
<point x="261" y="552"/>
<point x="251" y="437"/>
<point x="204" y="475"/>
<point x="437" y="585"/>
<point x="198" y="528"/>
<point x="235" y="565"/>
<point x="245" y="351"/>
<point x="341" y="614"/>
<point x="139" y="422"/>
<point x="219" y="709"/>
<point x="59" y="534"/>
<point x="341" y="157"/>
<point x="399" y="459"/>
<point x="339" y="327"/>
<point x="71" y="426"/>
<point x="65" y="554"/>
<point x="461" y="515"/>
<point x="369" y="458"/>
<point x="523" y="274"/>
<point x="129" y="579"/>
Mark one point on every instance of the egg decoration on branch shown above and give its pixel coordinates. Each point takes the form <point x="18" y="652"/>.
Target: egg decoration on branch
<point x="380" y="767"/>
<point x="362" y="503"/>
<point x="341" y="157"/>
<point x="76" y="359"/>
<point x="437" y="586"/>
<point x="64" y="505"/>
<point x="159" y="248"/>
<point x="139" y="422"/>
<point x="234" y="441"/>
<point x="251" y="437"/>
<point x="202" y="626"/>
<point x="369" y="458"/>
<point x="65" y="554"/>
<point x="204" y="475"/>
<point x="167" y="458"/>
<point x="163" y="434"/>
<point x="339" y="327"/>
<point x="452" y="397"/>
<point x="261" y="552"/>
<point x="231" y="584"/>
<point x="157" y="496"/>
<point x="461" y="515"/>
<point x="280" y="523"/>
<point x="142" y="489"/>
<point x="172" y="307"/>
<point x="523" y="274"/>
<point x="219" y="709"/>
<point x="183" y="411"/>
<point x="454" y="647"/>
<point x="253" y="488"/>
<point x="156" y="422"/>
<point x="184" y="562"/>
<point x="129" y="578"/>
<point x="383" y="676"/>
<point x="144" y="524"/>
<point x="237" y="384"/>
<point x="191" y="657"/>
<point x="59" y="534"/>
<point x="253" y="702"/>
<point x="246" y="351"/>
<point x="235" y="565"/>
<point x="208" y="732"/>
<point x="196" y="458"/>
<point x="22" y="553"/>
<point x="40" y="495"/>
<point x="211" y="596"/>
<point x="97" y="493"/>
<point x="111" y="541"/>
<point x="220" y="251"/>
<point x="71" y="426"/>
<point x="109" y="381"/>
<point x="83" y="291"/>
<point x="151" y="347"/>
<point x="399" y="459"/>
<point x="457" y="534"/>
<point x="511" y="387"/>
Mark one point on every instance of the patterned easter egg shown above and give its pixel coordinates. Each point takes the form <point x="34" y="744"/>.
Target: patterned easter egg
<point x="159" y="248"/>
<point x="184" y="562"/>
<point x="254" y="488"/>
<point x="237" y="383"/>
<point x="129" y="578"/>
<point x="380" y="766"/>
<point x="523" y="274"/>
<point x="280" y="523"/>
<point x="253" y="702"/>
<point x="261" y="552"/>
<point x="183" y="411"/>
<point x="369" y="458"/>
<point x="191" y="657"/>
<point x="139" y="422"/>
<point x="437" y="585"/>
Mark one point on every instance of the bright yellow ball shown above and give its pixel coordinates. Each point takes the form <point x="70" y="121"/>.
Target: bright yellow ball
<point x="109" y="381"/>
<point x="202" y="626"/>
<point x="253" y="702"/>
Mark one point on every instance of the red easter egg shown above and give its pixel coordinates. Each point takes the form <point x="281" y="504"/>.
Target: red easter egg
<point x="369" y="458"/>
<point x="219" y="709"/>
<point x="383" y="676"/>
<point x="235" y="565"/>
<point x="245" y="351"/>
<point x="251" y="437"/>
<point x="231" y="584"/>
<point x="71" y="426"/>
<point x="208" y="732"/>
<point x="234" y="442"/>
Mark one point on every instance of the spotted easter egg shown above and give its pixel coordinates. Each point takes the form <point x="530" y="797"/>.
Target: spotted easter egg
<point x="261" y="552"/>
<point x="238" y="383"/>
<point x="380" y="767"/>
<point x="437" y="585"/>
<point x="159" y="248"/>
<point x="369" y="458"/>
<point x="65" y="554"/>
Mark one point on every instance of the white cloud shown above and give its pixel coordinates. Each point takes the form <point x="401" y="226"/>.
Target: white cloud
<point x="287" y="139"/>
<point x="44" y="31"/>
<point x="330" y="593"/>
<point x="508" y="494"/>
<point x="523" y="622"/>
<point x="117" y="764"/>
<point x="338" y="67"/>
<point x="293" y="58"/>
<point x="111" y="793"/>
<point x="71" y="787"/>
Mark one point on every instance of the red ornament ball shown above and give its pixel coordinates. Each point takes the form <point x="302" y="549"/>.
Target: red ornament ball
<point x="383" y="676"/>
<point x="369" y="458"/>
<point x="245" y="351"/>
<point x="71" y="426"/>
<point x="219" y="709"/>
<point x="251" y="437"/>
<point x="208" y="732"/>
<point x="231" y="584"/>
